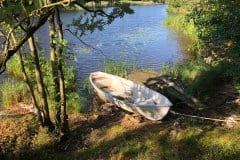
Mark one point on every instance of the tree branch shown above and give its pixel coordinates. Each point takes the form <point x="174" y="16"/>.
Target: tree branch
<point x="98" y="11"/>
<point x="88" y="45"/>
<point x="8" y="53"/>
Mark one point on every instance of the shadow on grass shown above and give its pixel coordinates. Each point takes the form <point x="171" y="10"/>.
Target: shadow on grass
<point x="165" y="141"/>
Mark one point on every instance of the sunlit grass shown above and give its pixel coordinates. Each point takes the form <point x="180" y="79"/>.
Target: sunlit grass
<point x="101" y="135"/>
<point x="13" y="92"/>
<point x="197" y="75"/>
<point x="119" y="68"/>
<point x="117" y="141"/>
<point x="186" y="71"/>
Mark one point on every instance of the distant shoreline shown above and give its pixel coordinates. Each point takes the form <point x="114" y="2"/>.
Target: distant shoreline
<point x="105" y="4"/>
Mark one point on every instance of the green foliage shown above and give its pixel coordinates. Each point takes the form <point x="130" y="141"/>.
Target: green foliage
<point x="181" y="6"/>
<point x="215" y="28"/>
<point x="43" y="139"/>
<point x="88" y="23"/>
<point x="176" y="3"/>
<point x="201" y="77"/>
<point x="119" y="68"/>
<point x="76" y="103"/>
<point x="207" y="79"/>
<point x="14" y="69"/>
<point x="218" y="24"/>
<point x="237" y="86"/>
<point x="13" y="92"/>
<point x="178" y="20"/>
<point x="186" y="71"/>
<point x="213" y="18"/>
<point x="9" y="9"/>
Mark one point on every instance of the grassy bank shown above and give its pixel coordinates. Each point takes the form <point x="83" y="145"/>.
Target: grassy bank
<point x="214" y="50"/>
<point x="177" y="20"/>
<point x="117" y="135"/>
<point x="110" y="133"/>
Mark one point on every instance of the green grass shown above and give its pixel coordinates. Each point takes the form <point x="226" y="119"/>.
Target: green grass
<point x="76" y="103"/>
<point x="13" y="92"/>
<point x="119" y="68"/>
<point x="152" y="141"/>
<point x="196" y="75"/>
<point x="179" y="23"/>
<point x="186" y="71"/>
<point x="179" y="20"/>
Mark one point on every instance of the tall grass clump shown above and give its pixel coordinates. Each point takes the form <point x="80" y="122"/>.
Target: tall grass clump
<point x="179" y="20"/>
<point x="13" y="92"/>
<point x="14" y="69"/>
<point x="186" y="71"/>
<point x="196" y="74"/>
<point x="75" y="102"/>
<point x="119" y="68"/>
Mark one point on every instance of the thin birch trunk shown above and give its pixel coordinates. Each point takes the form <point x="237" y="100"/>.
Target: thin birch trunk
<point x="41" y="88"/>
<point x="54" y="64"/>
<point x="28" y="83"/>
<point x="64" y="116"/>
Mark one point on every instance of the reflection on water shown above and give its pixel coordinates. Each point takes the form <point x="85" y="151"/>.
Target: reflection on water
<point x="140" y="39"/>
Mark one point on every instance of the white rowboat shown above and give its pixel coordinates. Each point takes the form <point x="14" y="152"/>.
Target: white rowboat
<point x="130" y="96"/>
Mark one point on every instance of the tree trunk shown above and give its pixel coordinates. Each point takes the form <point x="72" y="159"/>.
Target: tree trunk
<point x="31" y="90"/>
<point x="26" y="79"/>
<point x="64" y="116"/>
<point x="54" y="64"/>
<point x="41" y="88"/>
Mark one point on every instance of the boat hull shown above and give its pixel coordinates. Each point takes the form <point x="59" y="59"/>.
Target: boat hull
<point x="130" y="96"/>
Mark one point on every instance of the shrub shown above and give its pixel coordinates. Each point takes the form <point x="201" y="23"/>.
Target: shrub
<point x="43" y="139"/>
<point x="76" y="103"/>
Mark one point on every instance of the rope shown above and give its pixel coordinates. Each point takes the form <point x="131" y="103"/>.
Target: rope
<point x="67" y="3"/>
<point x="63" y="3"/>
<point x="228" y="120"/>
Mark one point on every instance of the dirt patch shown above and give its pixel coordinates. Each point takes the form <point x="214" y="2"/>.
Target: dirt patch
<point x="142" y="76"/>
<point x="17" y="110"/>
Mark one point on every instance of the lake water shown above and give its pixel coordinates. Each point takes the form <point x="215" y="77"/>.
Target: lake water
<point x="140" y="38"/>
